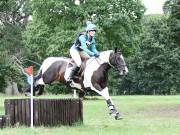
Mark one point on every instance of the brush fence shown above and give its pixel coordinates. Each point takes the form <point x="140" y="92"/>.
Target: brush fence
<point x="47" y="112"/>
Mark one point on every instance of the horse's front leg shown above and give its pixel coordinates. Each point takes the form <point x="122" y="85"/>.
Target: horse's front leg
<point x="112" y="110"/>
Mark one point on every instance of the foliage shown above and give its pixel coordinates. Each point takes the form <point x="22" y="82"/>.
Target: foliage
<point x="167" y="6"/>
<point x="11" y="44"/>
<point x="15" y="12"/>
<point x="55" y="26"/>
<point x="122" y="25"/>
<point x="154" y="68"/>
<point x="174" y="24"/>
<point x="150" y="44"/>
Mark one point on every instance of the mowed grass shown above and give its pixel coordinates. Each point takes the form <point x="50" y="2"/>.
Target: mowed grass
<point x="143" y="115"/>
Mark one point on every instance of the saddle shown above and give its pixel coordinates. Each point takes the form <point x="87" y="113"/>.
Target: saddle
<point x="78" y="77"/>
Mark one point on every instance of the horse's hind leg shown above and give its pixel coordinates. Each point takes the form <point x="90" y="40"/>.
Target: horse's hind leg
<point x="81" y="94"/>
<point x="27" y="91"/>
<point x="39" y="89"/>
<point x="39" y="86"/>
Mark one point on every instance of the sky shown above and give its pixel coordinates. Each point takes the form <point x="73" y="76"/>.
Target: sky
<point x="154" y="6"/>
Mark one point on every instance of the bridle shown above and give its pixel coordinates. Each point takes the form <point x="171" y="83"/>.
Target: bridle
<point x="119" y="65"/>
<point x="115" y="67"/>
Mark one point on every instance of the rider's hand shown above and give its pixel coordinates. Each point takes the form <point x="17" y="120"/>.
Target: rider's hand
<point x="96" y="55"/>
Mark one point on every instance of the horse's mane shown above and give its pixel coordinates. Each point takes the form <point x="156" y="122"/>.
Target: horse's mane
<point x="104" y="56"/>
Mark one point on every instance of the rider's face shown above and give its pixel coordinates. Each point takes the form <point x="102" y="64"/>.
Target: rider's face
<point x="92" y="33"/>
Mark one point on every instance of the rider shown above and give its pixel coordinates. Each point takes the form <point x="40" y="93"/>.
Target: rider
<point x="84" y="46"/>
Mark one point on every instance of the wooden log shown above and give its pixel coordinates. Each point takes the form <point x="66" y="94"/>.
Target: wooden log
<point x="47" y="112"/>
<point x="80" y="110"/>
<point x="1" y="122"/>
<point x="4" y="121"/>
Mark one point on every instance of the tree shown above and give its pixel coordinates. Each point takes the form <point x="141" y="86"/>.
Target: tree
<point x="13" y="18"/>
<point x="116" y="20"/>
<point x="56" y="24"/>
<point x="174" y="24"/>
<point x="167" y="6"/>
<point x="154" y="68"/>
<point x="15" y="12"/>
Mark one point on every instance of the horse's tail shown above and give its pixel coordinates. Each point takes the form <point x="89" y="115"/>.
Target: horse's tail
<point x="38" y="76"/>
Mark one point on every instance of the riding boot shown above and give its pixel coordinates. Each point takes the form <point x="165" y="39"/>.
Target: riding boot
<point x="74" y="71"/>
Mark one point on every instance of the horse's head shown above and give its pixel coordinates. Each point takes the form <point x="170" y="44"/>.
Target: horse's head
<point x="116" y="59"/>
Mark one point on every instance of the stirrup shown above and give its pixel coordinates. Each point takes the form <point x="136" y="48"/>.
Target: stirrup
<point x="69" y="80"/>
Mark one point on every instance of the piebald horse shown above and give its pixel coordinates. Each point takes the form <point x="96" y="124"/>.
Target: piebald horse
<point x="93" y="75"/>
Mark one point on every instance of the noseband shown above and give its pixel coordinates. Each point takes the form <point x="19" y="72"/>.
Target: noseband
<point x="118" y="66"/>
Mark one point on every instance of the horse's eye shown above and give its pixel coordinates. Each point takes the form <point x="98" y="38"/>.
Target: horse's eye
<point x="118" y="58"/>
<point x="119" y="53"/>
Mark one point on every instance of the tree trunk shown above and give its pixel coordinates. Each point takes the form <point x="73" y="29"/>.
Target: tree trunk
<point x="11" y="88"/>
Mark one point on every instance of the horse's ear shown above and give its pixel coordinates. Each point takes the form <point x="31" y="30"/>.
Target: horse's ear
<point x="116" y="50"/>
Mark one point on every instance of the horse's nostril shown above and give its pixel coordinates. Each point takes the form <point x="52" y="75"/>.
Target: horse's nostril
<point x="125" y="72"/>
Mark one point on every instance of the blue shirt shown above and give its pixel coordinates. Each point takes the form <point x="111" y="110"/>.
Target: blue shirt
<point x="89" y="49"/>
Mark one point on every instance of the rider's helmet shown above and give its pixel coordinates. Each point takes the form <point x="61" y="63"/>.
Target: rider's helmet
<point x="90" y="26"/>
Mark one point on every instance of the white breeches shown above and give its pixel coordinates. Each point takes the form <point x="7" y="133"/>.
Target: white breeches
<point x="77" y="55"/>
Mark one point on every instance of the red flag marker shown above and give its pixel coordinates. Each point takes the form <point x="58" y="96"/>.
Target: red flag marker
<point x="29" y="70"/>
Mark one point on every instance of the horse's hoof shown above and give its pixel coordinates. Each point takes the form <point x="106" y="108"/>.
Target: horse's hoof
<point x="113" y="112"/>
<point x="27" y="94"/>
<point x="118" y="116"/>
<point x="37" y="94"/>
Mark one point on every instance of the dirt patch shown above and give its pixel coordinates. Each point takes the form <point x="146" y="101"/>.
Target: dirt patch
<point x="171" y="111"/>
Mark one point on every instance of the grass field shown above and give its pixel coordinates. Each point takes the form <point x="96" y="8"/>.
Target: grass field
<point x="143" y="115"/>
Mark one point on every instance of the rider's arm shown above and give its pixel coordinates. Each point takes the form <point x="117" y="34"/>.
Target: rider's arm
<point x="82" y="39"/>
<point x="93" y="46"/>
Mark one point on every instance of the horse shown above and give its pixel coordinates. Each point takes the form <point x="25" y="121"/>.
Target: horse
<point x="93" y="74"/>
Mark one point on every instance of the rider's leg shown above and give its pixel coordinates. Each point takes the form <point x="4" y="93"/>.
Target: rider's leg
<point x="74" y="70"/>
<point x="84" y="55"/>
<point x="74" y="52"/>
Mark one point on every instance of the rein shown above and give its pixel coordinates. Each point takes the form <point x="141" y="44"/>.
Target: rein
<point x="104" y="62"/>
<point x="118" y="66"/>
<point x="99" y="62"/>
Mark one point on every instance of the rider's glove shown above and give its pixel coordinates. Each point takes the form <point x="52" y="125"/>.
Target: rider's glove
<point x="96" y="55"/>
